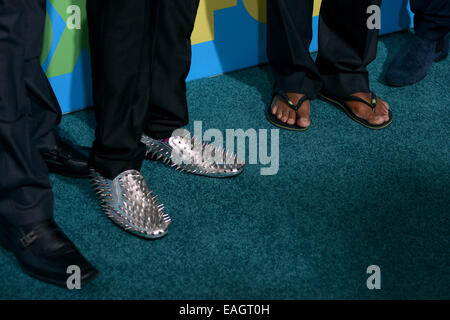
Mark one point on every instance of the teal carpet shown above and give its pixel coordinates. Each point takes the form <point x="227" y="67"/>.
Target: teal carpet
<point x="344" y="198"/>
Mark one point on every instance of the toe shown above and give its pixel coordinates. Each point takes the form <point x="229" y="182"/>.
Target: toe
<point x="291" y="120"/>
<point x="382" y="110"/>
<point x="303" y="122"/>
<point x="279" y="113"/>
<point x="284" y="116"/>
<point x="274" y="109"/>
<point x="376" y="120"/>
<point x="303" y="119"/>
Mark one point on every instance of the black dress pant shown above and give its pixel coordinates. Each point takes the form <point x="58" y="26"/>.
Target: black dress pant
<point x="346" y="46"/>
<point x="141" y="54"/>
<point x="432" y="18"/>
<point x="29" y="113"/>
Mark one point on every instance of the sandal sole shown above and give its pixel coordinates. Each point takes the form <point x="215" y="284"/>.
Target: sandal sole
<point x="352" y="116"/>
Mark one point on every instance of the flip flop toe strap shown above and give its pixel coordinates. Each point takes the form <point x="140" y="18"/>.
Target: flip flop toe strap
<point x="372" y="103"/>
<point x="289" y="102"/>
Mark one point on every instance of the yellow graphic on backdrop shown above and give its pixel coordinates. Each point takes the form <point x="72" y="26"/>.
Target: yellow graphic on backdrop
<point x="257" y="9"/>
<point x="204" y="26"/>
<point x="317" y="4"/>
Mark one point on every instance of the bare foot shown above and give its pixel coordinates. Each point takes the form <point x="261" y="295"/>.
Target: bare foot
<point x="286" y="114"/>
<point x="376" y="116"/>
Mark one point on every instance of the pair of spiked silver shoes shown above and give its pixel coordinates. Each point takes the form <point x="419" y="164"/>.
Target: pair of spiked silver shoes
<point x="188" y="154"/>
<point x="129" y="203"/>
<point x="127" y="200"/>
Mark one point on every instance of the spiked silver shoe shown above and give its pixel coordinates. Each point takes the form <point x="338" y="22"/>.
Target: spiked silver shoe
<point x="129" y="203"/>
<point x="186" y="153"/>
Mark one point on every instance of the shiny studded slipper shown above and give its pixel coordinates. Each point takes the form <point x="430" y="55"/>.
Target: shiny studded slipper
<point x="130" y="204"/>
<point x="186" y="153"/>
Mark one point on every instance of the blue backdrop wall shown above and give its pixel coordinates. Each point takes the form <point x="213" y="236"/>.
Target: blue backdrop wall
<point x="229" y="35"/>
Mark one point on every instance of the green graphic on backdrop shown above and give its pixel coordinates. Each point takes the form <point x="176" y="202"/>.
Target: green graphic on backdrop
<point x="73" y="40"/>
<point x="48" y="35"/>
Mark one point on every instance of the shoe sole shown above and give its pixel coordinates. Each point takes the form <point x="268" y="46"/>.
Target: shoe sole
<point x="211" y="176"/>
<point x="441" y="58"/>
<point x="401" y="85"/>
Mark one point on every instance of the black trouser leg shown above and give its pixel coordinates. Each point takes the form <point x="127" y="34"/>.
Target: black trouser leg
<point x="44" y="105"/>
<point x="120" y="49"/>
<point x="25" y="191"/>
<point x="432" y="18"/>
<point x="289" y="34"/>
<point x="346" y="46"/>
<point x="45" y="109"/>
<point x="172" y="60"/>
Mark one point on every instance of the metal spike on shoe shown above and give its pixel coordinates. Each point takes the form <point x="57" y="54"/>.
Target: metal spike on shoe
<point x="129" y="203"/>
<point x="186" y="153"/>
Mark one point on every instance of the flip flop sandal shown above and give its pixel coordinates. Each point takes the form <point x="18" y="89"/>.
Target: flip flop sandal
<point x="277" y="122"/>
<point x="341" y="103"/>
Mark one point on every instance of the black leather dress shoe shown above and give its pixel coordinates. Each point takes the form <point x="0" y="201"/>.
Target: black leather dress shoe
<point x="67" y="159"/>
<point x="44" y="252"/>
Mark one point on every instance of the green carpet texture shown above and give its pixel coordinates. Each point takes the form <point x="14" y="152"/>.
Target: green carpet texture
<point x="345" y="197"/>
